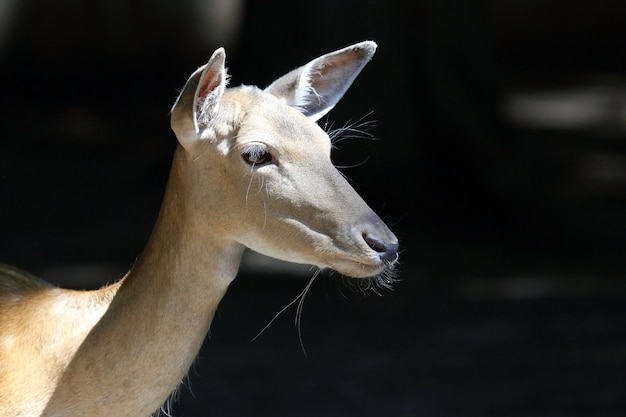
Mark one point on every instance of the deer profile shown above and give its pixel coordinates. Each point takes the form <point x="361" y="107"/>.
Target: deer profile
<point x="252" y="169"/>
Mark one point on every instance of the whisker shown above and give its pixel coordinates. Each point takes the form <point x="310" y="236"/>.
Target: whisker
<point x="353" y="165"/>
<point x="298" y="319"/>
<point x="274" y="318"/>
<point x="352" y="130"/>
<point x="300" y="300"/>
<point x="250" y="184"/>
<point x="265" y="205"/>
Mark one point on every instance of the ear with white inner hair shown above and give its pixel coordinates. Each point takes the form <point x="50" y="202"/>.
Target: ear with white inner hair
<point x="199" y="100"/>
<point x="316" y="87"/>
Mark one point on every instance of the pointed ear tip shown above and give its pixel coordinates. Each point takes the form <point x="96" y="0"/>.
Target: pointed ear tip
<point x="220" y="53"/>
<point x="368" y="46"/>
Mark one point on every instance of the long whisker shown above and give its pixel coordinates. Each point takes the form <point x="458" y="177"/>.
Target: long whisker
<point x="300" y="300"/>
<point x="250" y="183"/>
<point x="351" y="130"/>
<point x="298" y="319"/>
<point x="274" y="318"/>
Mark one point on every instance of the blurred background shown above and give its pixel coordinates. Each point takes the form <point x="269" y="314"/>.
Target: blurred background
<point x="499" y="161"/>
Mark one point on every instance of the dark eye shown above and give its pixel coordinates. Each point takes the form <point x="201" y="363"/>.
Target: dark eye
<point x="256" y="155"/>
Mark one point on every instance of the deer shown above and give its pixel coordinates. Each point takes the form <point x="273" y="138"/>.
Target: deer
<point x="251" y="170"/>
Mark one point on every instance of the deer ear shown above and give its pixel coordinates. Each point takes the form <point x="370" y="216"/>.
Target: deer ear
<point x="197" y="103"/>
<point x="316" y="87"/>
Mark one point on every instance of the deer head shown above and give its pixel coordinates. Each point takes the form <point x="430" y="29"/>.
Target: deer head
<point x="257" y="166"/>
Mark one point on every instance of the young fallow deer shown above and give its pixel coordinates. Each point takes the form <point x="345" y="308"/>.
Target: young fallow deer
<point x="252" y="169"/>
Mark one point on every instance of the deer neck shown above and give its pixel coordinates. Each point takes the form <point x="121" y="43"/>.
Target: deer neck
<point x="187" y="249"/>
<point x="143" y="346"/>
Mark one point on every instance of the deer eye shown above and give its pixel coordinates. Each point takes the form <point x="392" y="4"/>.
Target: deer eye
<point x="256" y="155"/>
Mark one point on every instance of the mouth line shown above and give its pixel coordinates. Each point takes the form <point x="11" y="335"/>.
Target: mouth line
<point x="355" y="259"/>
<point x="356" y="268"/>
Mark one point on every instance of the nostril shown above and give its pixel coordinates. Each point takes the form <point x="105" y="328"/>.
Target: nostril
<point x="388" y="251"/>
<point x="374" y="243"/>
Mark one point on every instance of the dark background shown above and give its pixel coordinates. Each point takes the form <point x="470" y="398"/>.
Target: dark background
<point x="500" y="163"/>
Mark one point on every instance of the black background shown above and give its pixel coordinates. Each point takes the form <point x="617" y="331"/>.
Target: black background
<point x="511" y="299"/>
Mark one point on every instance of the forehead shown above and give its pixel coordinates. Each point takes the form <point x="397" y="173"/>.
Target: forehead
<point x="268" y="119"/>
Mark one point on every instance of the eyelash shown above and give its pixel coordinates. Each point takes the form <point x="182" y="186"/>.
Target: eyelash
<point x="255" y="155"/>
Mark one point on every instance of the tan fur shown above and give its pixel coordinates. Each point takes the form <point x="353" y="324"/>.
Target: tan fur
<point x="121" y="350"/>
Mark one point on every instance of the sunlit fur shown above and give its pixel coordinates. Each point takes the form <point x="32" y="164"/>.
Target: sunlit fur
<point x="124" y="349"/>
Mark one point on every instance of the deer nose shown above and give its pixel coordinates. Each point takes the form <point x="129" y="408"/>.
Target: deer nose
<point x="387" y="249"/>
